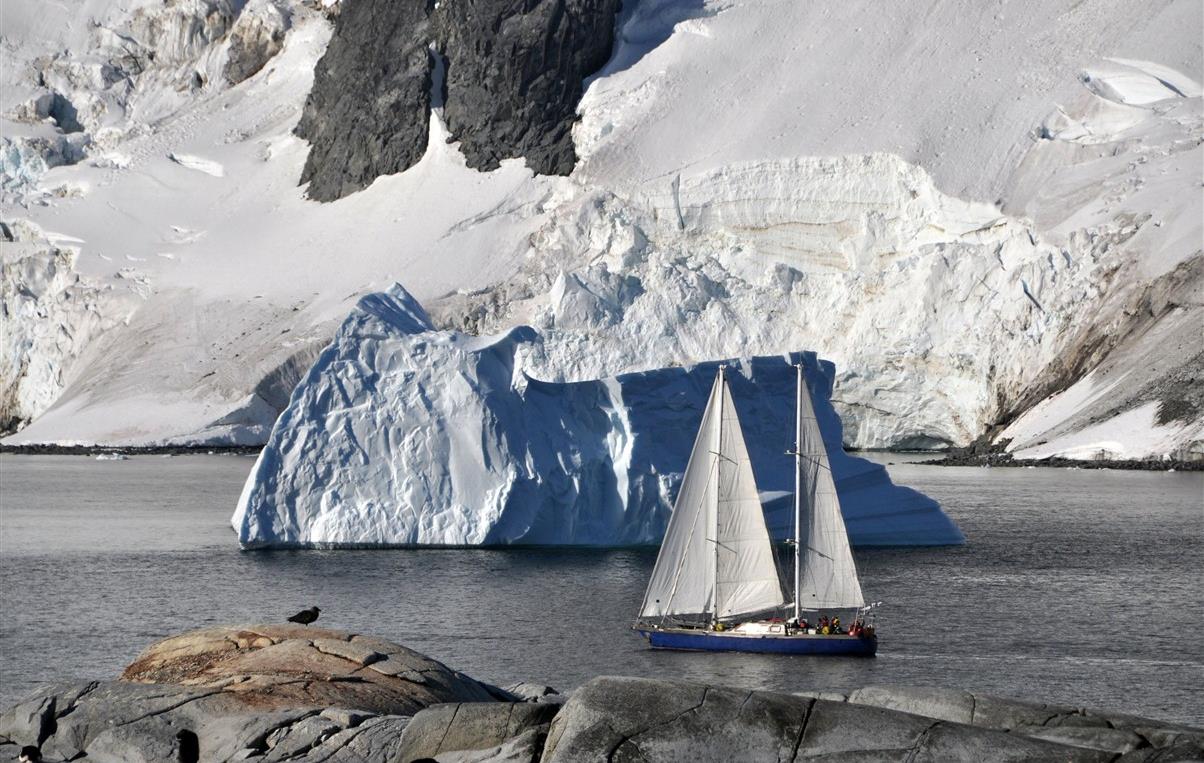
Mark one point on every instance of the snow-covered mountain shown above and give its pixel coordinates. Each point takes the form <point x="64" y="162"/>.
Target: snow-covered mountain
<point x="987" y="215"/>
<point x="402" y="434"/>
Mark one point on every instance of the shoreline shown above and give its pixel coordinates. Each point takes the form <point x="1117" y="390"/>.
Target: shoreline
<point x="947" y="459"/>
<point x="1057" y="462"/>
<point x="50" y="449"/>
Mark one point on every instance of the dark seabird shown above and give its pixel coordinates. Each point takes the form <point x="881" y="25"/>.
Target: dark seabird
<point x="188" y="747"/>
<point x="305" y="616"/>
<point x="30" y="754"/>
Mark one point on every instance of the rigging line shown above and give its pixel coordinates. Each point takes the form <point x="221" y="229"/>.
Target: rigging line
<point x="813" y="459"/>
<point x="729" y="459"/>
<point x="721" y="545"/>
<point x="821" y="553"/>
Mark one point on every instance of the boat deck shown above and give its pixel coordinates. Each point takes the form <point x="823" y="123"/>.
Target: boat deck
<point x="697" y="639"/>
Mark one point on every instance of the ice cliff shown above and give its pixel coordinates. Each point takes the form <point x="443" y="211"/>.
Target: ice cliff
<point x="405" y="434"/>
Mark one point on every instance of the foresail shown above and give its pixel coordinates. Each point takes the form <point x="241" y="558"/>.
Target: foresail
<point x="747" y="580"/>
<point x="829" y="575"/>
<point x="683" y="580"/>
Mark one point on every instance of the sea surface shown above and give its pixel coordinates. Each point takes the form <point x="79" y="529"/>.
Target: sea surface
<point x="1076" y="586"/>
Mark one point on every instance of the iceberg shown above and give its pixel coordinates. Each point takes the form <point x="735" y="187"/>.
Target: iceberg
<point x="404" y="434"/>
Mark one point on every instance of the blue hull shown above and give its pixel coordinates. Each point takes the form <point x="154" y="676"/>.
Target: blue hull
<point x="710" y="641"/>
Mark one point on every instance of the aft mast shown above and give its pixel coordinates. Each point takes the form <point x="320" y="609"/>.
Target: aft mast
<point x="798" y="495"/>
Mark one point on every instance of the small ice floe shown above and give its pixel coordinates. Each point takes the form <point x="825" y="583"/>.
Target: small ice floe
<point x="112" y="457"/>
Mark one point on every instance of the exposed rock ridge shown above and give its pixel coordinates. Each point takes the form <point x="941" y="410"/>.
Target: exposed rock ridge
<point x="368" y="112"/>
<point x="514" y="75"/>
<point x="285" y="693"/>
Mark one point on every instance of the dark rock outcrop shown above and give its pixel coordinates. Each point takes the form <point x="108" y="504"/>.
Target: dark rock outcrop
<point x="514" y="74"/>
<point x="647" y="720"/>
<point x="368" y="112"/>
<point x="257" y="36"/>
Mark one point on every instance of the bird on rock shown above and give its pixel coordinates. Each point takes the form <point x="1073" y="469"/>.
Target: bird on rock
<point x="305" y="616"/>
<point x="30" y="754"/>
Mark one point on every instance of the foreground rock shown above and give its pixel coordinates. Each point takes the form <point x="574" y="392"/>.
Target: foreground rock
<point x="309" y="695"/>
<point x="282" y="666"/>
<point x="640" y="719"/>
<point x="262" y="691"/>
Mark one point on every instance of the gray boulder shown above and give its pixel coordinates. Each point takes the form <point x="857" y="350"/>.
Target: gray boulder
<point x="529" y="692"/>
<point x="1072" y="726"/>
<point x="642" y="719"/>
<point x="478" y="727"/>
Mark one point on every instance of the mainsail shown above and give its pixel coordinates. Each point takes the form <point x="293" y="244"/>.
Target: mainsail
<point x="826" y="577"/>
<point x="716" y="558"/>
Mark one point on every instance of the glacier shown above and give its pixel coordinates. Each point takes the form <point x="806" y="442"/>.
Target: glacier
<point x="999" y="242"/>
<point x="405" y="434"/>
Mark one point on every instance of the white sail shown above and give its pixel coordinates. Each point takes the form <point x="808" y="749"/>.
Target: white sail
<point x="683" y="580"/>
<point x="716" y="557"/>
<point x="828" y="574"/>
<point x="747" y="578"/>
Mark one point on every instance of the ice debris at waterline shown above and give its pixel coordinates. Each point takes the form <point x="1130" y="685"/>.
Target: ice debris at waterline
<point x="404" y="434"/>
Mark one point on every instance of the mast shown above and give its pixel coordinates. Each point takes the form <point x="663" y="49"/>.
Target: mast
<point x="798" y="496"/>
<point x="718" y="482"/>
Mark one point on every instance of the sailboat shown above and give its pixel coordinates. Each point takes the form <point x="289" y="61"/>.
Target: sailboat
<point x="716" y="586"/>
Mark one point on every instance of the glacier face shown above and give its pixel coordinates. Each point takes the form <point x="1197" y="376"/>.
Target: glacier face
<point x="51" y="317"/>
<point x="405" y="434"/>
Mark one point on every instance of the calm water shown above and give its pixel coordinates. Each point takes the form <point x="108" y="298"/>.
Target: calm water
<point x="1076" y="586"/>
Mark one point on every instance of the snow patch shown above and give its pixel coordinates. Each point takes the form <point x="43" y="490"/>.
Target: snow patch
<point x="1134" y="434"/>
<point x="1138" y="83"/>
<point x="208" y="166"/>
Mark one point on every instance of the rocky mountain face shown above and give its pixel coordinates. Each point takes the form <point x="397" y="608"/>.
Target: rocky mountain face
<point x="368" y="112"/>
<point x="514" y="76"/>
<point x="510" y="71"/>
